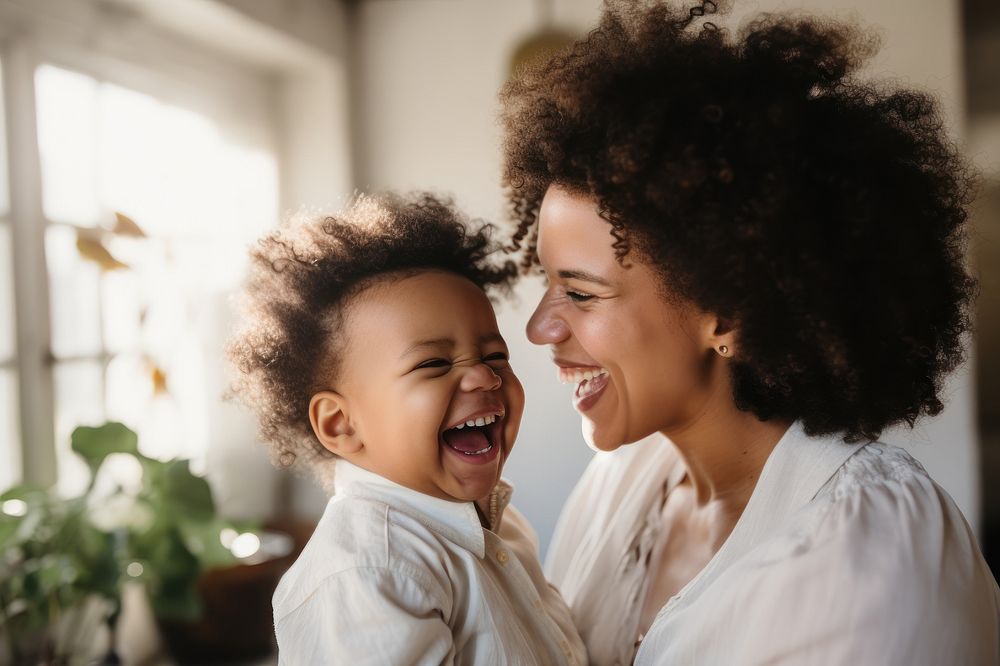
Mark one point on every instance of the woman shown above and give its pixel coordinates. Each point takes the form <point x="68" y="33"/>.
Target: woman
<point x="754" y="266"/>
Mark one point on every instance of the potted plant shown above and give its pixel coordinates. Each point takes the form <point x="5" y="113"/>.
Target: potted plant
<point x="63" y="561"/>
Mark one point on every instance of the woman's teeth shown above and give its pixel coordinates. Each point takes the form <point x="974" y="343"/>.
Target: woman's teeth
<point x="481" y="421"/>
<point x="587" y="388"/>
<point x="575" y="376"/>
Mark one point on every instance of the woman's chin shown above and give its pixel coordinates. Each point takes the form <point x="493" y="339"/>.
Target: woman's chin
<point x="598" y="438"/>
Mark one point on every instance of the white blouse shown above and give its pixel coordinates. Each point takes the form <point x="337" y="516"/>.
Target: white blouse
<point x="844" y="554"/>
<point x="393" y="576"/>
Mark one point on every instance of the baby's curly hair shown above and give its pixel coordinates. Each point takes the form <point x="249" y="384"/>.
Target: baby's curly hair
<point x="823" y="216"/>
<point x="302" y="280"/>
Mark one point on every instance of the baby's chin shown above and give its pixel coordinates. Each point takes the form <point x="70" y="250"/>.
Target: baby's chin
<point x="472" y="490"/>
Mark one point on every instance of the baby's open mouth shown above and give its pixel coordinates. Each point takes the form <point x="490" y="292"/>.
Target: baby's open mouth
<point x="476" y="436"/>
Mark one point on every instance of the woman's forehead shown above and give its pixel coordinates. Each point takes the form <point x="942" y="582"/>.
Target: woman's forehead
<point x="570" y="229"/>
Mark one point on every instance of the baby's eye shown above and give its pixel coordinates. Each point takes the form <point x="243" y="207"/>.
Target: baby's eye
<point x="577" y="296"/>
<point x="435" y="363"/>
<point x="497" y="359"/>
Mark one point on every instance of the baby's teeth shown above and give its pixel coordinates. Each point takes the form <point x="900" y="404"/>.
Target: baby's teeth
<point x="459" y="426"/>
<point x="470" y="422"/>
<point x="480" y="421"/>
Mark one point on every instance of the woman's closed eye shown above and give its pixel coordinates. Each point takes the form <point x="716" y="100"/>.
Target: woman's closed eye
<point x="578" y="296"/>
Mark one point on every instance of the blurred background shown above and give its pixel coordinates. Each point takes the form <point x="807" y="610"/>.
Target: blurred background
<point x="146" y="143"/>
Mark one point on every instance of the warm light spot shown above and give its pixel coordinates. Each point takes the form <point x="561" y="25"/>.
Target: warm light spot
<point x="15" y="507"/>
<point x="227" y="537"/>
<point x="245" y="545"/>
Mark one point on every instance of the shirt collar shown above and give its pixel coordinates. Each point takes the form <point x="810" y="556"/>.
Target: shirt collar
<point x="456" y="521"/>
<point x="798" y="467"/>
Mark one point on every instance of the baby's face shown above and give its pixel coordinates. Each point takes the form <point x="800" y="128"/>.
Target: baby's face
<point x="423" y="359"/>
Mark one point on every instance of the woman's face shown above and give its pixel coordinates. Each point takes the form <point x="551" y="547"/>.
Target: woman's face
<point x="640" y="364"/>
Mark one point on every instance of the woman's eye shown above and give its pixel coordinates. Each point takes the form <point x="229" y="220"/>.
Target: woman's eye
<point x="435" y="363"/>
<point x="578" y="296"/>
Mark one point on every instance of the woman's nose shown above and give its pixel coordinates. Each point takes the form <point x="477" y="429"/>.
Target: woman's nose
<point x="544" y="327"/>
<point x="480" y="377"/>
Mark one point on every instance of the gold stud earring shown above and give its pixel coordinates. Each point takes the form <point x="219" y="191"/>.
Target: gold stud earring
<point x="723" y="350"/>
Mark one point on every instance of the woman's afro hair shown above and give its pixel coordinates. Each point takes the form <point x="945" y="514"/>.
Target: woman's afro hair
<point x="823" y="216"/>
<point x="302" y="279"/>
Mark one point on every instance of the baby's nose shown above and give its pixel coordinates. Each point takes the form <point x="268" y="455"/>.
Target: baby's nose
<point x="480" y="377"/>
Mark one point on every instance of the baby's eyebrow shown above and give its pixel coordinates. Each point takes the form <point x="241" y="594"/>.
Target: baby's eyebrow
<point x="447" y="343"/>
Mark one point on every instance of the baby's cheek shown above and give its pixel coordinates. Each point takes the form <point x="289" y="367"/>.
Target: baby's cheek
<point x="422" y="407"/>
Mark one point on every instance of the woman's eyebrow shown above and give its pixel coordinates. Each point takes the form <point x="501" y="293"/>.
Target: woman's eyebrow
<point x="583" y="275"/>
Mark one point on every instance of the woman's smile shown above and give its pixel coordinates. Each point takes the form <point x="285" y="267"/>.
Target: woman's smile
<point x="590" y="382"/>
<point x="589" y="391"/>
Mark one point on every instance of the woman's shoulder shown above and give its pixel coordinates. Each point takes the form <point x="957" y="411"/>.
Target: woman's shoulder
<point x="876" y="465"/>
<point x="882" y="498"/>
<point x="882" y="554"/>
<point x="885" y="523"/>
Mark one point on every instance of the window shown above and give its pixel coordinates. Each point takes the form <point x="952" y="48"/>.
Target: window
<point x="10" y="458"/>
<point x="149" y="208"/>
<point x="151" y="188"/>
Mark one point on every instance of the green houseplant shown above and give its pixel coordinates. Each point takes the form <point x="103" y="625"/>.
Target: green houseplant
<point x="63" y="561"/>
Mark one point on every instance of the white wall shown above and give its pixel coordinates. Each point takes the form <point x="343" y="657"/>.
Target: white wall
<point x="427" y="73"/>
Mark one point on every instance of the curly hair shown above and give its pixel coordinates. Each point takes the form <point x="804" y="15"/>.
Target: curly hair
<point x="822" y="215"/>
<point x="303" y="279"/>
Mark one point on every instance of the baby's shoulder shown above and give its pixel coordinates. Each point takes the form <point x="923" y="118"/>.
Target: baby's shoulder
<point x="363" y="540"/>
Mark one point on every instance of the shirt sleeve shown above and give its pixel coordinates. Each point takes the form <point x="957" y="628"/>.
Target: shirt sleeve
<point x="892" y="574"/>
<point x="362" y="616"/>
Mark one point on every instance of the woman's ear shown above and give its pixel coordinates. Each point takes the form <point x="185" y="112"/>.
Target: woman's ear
<point x="330" y="419"/>
<point x="720" y="335"/>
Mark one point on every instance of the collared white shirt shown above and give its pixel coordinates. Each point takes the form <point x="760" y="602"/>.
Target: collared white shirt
<point x="844" y="554"/>
<point x="393" y="576"/>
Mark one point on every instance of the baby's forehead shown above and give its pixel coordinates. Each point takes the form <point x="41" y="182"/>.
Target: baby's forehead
<point x="437" y="313"/>
<point x="417" y="299"/>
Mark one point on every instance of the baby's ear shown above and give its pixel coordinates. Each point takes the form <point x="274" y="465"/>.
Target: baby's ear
<point x="328" y="415"/>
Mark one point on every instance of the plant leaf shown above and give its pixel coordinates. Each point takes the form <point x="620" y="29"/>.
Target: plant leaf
<point x="190" y="494"/>
<point x="201" y="538"/>
<point x="126" y="226"/>
<point x="93" y="250"/>
<point x="96" y="444"/>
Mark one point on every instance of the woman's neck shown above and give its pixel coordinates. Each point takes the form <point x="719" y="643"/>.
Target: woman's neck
<point x="724" y="451"/>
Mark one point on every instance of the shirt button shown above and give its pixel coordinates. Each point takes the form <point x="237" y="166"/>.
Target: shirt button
<point x="502" y="557"/>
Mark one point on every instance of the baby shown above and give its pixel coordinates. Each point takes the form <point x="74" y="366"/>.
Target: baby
<point x="372" y="350"/>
